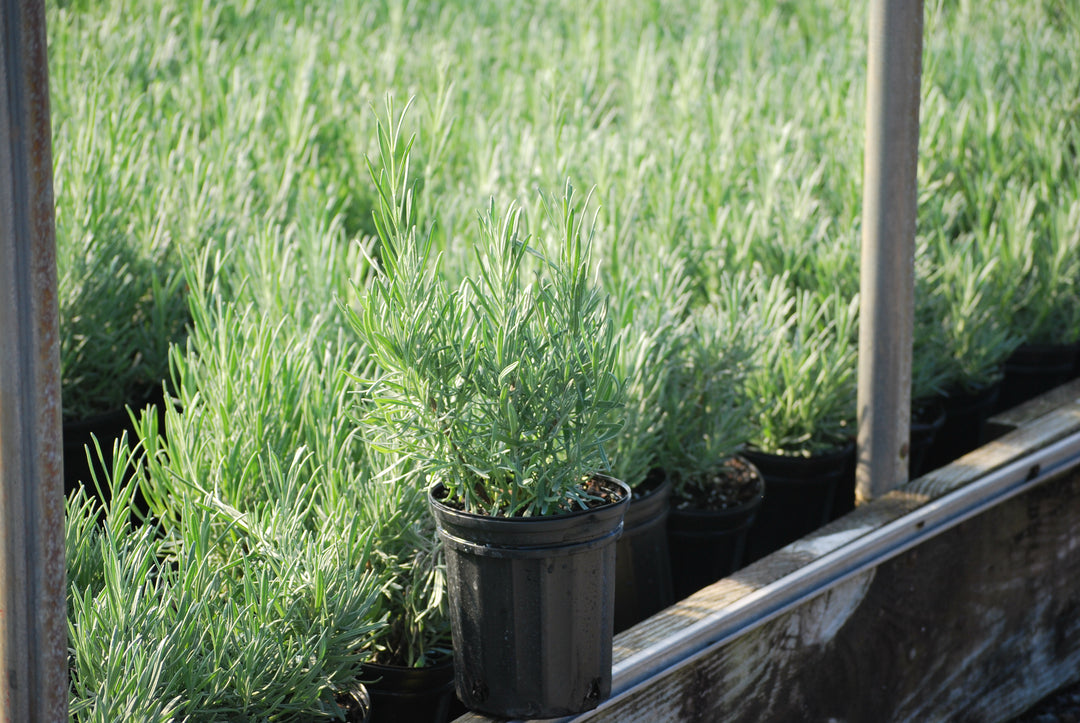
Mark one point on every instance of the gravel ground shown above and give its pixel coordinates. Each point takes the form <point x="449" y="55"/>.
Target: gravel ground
<point x="1062" y="706"/>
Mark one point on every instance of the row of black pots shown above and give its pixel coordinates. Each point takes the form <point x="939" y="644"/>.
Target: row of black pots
<point x="1030" y="371"/>
<point x="666" y="554"/>
<point x="805" y="493"/>
<point x="1037" y="368"/>
<point x="534" y="602"/>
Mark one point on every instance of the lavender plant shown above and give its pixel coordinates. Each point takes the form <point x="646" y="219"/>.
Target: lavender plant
<point x="707" y="401"/>
<point x="222" y="615"/>
<point x="503" y="388"/>
<point x="969" y="313"/>
<point x="650" y="310"/>
<point x="804" y="386"/>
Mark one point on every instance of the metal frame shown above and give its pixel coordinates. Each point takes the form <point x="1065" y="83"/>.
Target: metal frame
<point x="33" y="616"/>
<point x="890" y="201"/>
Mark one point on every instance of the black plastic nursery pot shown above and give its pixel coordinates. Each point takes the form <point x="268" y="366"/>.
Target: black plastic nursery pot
<point x="707" y="545"/>
<point x="532" y="606"/>
<point x="356" y="702"/>
<point x="927" y="419"/>
<point x="413" y="695"/>
<point x="79" y="434"/>
<point x="107" y="427"/>
<point x="643" y="568"/>
<point x="1033" y="369"/>
<point x="800" y="495"/>
<point x="966" y="413"/>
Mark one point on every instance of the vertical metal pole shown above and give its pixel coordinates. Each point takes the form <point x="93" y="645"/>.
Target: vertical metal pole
<point x="33" y="618"/>
<point x="888" y="245"/>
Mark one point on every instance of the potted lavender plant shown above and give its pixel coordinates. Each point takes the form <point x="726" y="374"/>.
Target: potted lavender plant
<point x="650" y="307"/>
<point x="503" y="390"/>
<point x="707" y="423"/>
<point x="803" y="390"/>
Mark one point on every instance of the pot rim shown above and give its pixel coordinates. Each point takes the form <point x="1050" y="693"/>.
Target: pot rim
<point x="524" y="536"/>
<point x="625" y="495"/>
<point x="837" y="452"/>
<point x="736" y="510"/>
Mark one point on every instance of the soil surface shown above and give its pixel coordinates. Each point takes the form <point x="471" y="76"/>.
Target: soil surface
<point x="598" y="493"/>
<point x="734" y="483"/>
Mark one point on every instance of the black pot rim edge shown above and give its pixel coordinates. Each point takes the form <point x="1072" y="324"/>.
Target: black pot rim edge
<point x="540" y="519"/>
<point x="750" y="504"/>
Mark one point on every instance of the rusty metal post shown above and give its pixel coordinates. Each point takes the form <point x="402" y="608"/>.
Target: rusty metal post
<point x="886" y="315"/>
<point x="33" y="618"/>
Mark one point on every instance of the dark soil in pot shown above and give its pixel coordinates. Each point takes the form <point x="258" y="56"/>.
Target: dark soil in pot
<point x="1033" y="369"/>
<point x="532" y="606"/>
<point x="410" y="695"/>
<point x="707" y="532"/>
<point x="800" y="495"/>
<point x="965" y="415"/>
<point x="643" y="567"/>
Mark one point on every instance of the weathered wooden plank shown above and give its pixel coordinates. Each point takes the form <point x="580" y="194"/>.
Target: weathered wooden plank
<point x="1034" y="408"/>
<point x="1030" y="436"/>
<point x="972" y="625"/>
